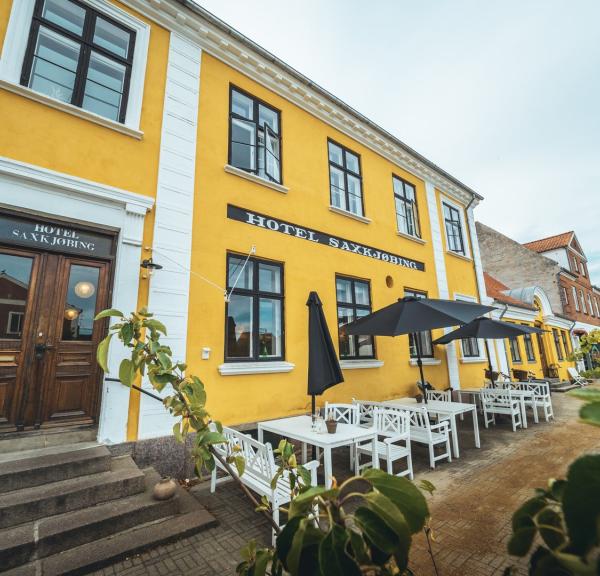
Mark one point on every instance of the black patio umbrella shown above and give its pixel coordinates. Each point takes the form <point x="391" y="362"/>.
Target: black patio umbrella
<point x="323" y="366"/>
<point x="489" y="330"/>
<point x="411" y="314"/>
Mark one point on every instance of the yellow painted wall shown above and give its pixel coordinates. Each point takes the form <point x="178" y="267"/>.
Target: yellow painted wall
<point x="307" y="266"/>
<point x="37" y="134"/>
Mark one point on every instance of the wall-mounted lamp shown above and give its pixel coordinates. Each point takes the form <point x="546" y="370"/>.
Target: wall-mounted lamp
<point x="150" y="266"/>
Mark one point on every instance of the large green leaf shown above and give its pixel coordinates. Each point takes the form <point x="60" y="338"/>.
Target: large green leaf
<point x="521" y="540"/>
<point x="550" y="527"/>
<point x="404" y="494"/>
<point x="109" y="312"/>
<point x="305" y="499"/>
<point x="523" y="517"/>
<point x="379" y="533"/>
<point x="126" y="372"/>
<point x="333" y="559"/>
<point x="155" y="325"/>
<point x="102" y="353"/>
<point x="590" y="413"/>
<point x="581" y="503"/>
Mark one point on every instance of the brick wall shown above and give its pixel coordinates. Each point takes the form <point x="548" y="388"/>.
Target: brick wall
<point x="569" y="307"/>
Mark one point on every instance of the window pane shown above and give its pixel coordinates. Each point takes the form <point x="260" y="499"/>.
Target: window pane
<point x="409" y="192"/>
<point x="269" y="116"/>
<point x="335" y="154"/>
<point x="66" y="14"/>
<point x="401" y="215"/>
<point x="347" y="342"/>
<point x="15" y="274"/>
<point x="352" y="163"/>
<point x="54" y="65"/>
<point x="338" y="196"/>
<point x="355" y="204"/>
<point x="243" y="139"/>
<point x="80" y="303"/>
<point x="235" y="270"/>
<point x="398" y="187"/>
<point x="104" y="86"/>
<point x="272" y="156"/>
<point x="239" y="327"/>
<point x="242" y="105"/>
<point x="364" y="343"/>
<point x="343" y="290"/>
<point x="111" y="37"/>
<point x="269" y="328"/>
<point x="361" y="293"/>
<point x="269" y="278"/>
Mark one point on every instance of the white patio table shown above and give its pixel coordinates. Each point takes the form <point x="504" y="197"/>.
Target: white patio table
<point x="442" y="408"/>
<point x="522" y="395"/>
<point x="300" y="428"/>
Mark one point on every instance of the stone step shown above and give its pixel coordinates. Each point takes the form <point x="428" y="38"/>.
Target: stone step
<point x="46" y="465"/>
<point x="564" y="387"/>
<point x="192" y="518"/>
<point x="47" y="536"/>
<point x="21" y="506"/>
<point x="19" y="441"/>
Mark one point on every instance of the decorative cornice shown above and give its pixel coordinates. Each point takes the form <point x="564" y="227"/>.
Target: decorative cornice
<point x="228" y="45"/>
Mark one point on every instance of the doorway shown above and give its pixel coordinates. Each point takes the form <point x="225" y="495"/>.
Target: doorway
<point x="542" y="349"/>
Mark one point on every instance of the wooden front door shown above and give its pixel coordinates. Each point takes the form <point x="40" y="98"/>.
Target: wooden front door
<point x="48" y="338"/>
<point x="542" y="349"/>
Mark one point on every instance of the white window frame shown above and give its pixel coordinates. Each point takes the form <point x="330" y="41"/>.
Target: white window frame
<point x="480" y="341"/>
<point x="463" y="227"/>
<point x="575" y="298"/>
<point x="597" y="300"/>
<point x="583" y="306"/>
<point x="590" y="305"/>
<point x="9" y="322"/>
<point x="13" y="55"/>
<point x="566" y="295"/>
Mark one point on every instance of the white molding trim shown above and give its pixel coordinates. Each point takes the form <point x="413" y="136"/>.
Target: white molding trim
<point x="463" y="226"/>
<point x="473" y="360"/>
<point x="13" y="54"/>
<point x="256" y="179"/>
<point x="240" y="368"/>
<point x="279" y="79"/>
<point x="483" y="297"/>
<point x="133" y="202"/>
<point x="555" y="322"/>
<point x="514" y="313"/>
<point x="356" y="364"/>
<point x="349" y="214"/>
<point x="409" y="237"/>
<point x="425" y="361"/>
<point x="460" y="256"/>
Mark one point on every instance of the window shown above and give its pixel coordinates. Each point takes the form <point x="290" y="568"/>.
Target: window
<point x="575" y="266"/>
<point x="407" y="215"/>
<point x="254" y="314"/>
<point x="575" y="299"/>
<point x="254" y="136"/>
<point x="583" y="302"/>
<point x="470" y="348"/>
<point x="353" y="302"/>
<point x="345" y="180"/>
<point x="565" y="342"/>
<point x="529" y="352"/>
<point x="590" y="304"/>
<point x="565" y="296"/>
<point x="559" y="351"/>
<point x="583" y="270"/>
<point x="15" y="323"/>
<point x="515" y="352"/>
<point x="454" y="232"/>
<point x="424" y="338"/>
<point x="79" y="56"/>
<point x="597" y="307"/>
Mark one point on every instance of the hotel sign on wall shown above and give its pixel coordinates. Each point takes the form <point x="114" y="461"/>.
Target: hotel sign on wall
<point x="33" y="233"/>
<point x="304" y="233"/>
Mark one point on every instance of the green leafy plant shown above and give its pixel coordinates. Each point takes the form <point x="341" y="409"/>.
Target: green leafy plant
<point x="564" y="517"/>
<point x="587" y="344"/>
<point x="363" y="526"/>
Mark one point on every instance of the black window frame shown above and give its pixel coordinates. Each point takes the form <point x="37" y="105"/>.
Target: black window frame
<point x="515" y="351"/>
<point x="256" y="102"/>
<point x="86" y="42"/>
<point x="355" y="307"/>
<point x="559" y="351"/>
<point x="346" y="171"/>
<point x="470" y="348"/>
<point x="454" y="225"/>
<point x="256" y="295"/>
<point x="565" y="342"/>
<point x="413" y="204"/>
<point x="529" y="350"/>
<point x="424" y="334"/>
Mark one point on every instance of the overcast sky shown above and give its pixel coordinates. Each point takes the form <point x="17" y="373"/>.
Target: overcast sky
<point x="504" y="95"/>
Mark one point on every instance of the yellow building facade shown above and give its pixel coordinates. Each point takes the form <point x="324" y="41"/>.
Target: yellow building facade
<point x="176" y="141"/>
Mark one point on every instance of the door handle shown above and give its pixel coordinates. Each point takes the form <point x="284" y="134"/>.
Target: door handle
<point x="41" y="348"/>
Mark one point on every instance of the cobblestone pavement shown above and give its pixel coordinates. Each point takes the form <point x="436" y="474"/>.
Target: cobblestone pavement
<point x="471" y="508"/>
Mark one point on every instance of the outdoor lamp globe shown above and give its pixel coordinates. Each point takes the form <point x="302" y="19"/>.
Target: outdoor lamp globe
<point x="84" y="289"/>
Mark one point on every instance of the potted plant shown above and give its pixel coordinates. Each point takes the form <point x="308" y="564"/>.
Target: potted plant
<point x="419" y="398"/>
<point x="331" y="424"/>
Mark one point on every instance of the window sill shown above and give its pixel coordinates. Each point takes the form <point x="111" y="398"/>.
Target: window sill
<point x="256" y="179"/>
<point x="473" y="360"/>
<point x="356" y="364"/>
<point x="350" y="214"/>
<point x="239" y="368"/>
<point x="426" y="361"/>
<point x="70" y="109"/>
<point x="457" y="255"/>
<point x="409" y="237"/>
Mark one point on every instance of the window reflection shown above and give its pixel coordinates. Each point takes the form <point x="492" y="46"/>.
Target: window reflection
<point x="80" y="303"/>
<point x="15" y="275"/>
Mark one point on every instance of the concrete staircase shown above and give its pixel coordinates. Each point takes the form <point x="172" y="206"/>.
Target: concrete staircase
<point x="70" y="509"/>
<point x="558" y="385"/>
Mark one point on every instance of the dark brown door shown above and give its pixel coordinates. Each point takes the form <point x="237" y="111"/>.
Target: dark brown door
<point x="543" y="358"/>
<point x="54" y="379"/>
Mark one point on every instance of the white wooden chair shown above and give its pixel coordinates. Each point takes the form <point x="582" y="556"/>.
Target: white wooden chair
<point x="443" y="395"/>
<point x="343" y="414"/>
<point x="541" y="399"/>
<point x="259" y="470"/>
<point x="500" y="402"/>
<point x="366" y="409"/>
<point x="424" y="432"/>
<point x="394" y="426"/>
<point x="577" y="377"/>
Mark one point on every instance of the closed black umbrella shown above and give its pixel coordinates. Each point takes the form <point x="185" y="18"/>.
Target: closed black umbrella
<point x="323" y="366"/>
<point x="490" y="330"/>
<point x="411" y="314"/>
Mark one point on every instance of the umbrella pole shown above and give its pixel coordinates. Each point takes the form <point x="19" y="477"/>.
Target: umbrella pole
<point x="313" y="410"/>
<point x="420" y="365"/>
<point x="487" y="351"/>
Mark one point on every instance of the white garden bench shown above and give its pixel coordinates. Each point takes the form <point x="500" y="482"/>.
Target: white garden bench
<point x="424" y="432"/>
<point x="260" y="468"/>
<point x="541" y="399"/>
<point x="501" y="401"/>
